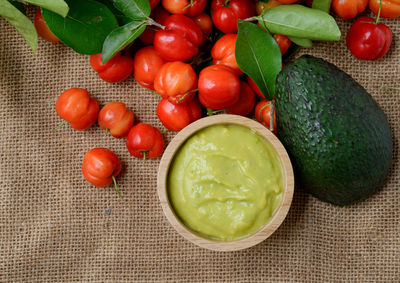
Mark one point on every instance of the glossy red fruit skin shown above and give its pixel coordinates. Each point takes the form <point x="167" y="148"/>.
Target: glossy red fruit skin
<point x="389" y="8"/>
<point x="114" y="70"/>
<point x="145" y="140"/>
<point x="159" y="15"/>
<point x="176" y="81"/>
<point x="223" y="52"/>
<point x="347" y="9"/>
<point x="175" y="117"/>
<point x="283" y="41"/>
<point x="180" y="39"/>
<point x="368" y="41"/>
<point x="219" y="87"/>
<point x="182" y="7"/>
<point x="254" y="87"/>
<point x="147" y="64"/>
<point x="77" y="108"/>
<point x="204" y="22"/>
<point x="117" y="118"/>
<point x="100" y="165"/>
<point x="225" y="18"/>
<point x="262" y="113"/>
<point x="246" y="101"/>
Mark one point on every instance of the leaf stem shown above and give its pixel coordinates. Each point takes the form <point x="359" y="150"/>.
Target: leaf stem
<point x="116" y="187"/>
<point x="250" y="19"/>
<point x="59" y="125"/>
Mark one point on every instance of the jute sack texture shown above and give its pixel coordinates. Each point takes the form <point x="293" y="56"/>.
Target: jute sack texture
<point x="54" y="226"/>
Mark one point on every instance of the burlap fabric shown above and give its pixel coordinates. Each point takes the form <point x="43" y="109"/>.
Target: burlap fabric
<point x="57" y="227"/>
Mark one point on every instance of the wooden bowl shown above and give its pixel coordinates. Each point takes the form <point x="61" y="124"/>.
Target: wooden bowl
<point x="274" y="222"/>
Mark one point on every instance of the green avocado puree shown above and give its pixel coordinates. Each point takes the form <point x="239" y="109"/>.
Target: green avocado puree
<point x="225" y="182"/>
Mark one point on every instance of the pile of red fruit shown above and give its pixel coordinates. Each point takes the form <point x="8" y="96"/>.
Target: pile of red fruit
<point x="189" y="66"/>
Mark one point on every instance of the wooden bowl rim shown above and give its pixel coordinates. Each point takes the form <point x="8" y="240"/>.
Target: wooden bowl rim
<point x="243" y="243"/>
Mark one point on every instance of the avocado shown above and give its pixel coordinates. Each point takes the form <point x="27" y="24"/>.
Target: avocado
<point x="337" y="136"/>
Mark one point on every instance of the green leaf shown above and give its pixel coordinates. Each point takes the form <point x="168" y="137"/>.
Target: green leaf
<point x="56" y="6"/>
<point x="121" y="37"/>
<point x="134" y="9"/>
<point x="86" y="26"/>
<point x="258" y="56"/>
<point x="304" y="42"/>
<point x="20" y="22"/>
<point x="122" y="19"/>
<point x="300" y="21"/>
<point x="20" y="6"/>
<point x="323" y="5"/>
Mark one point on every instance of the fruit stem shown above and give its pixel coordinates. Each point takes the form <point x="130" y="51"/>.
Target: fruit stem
<point x="116" y="187"/>
<point x="261" y="110"/>
<point x="186" y="94"/>
<point x="379" y="12"/>
<point x="211" y="112"/>
<point x="226" y="3"/>
<point x="190" y="5"/>
<point x="144" y="156"/>
<point x="152" y="22"/>
<point x="106" y="131"/>
<point x="164" y="131"/>
<point x="59" y="125"/>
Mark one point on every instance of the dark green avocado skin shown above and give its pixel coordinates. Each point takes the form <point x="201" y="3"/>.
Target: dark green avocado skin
<point x="337" y="136"/>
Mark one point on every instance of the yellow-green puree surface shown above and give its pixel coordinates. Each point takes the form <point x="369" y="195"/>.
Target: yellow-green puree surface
<point x="225" y="182"/>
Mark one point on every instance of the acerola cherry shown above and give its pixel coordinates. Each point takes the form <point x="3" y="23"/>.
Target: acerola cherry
<point x="114" y="70"/>
<point x="246" y="101"/>
<point x="205" y="23"/>
<point x="283" y="41"/>
<point x="347" y="9"/>
<point x="219" y="87"/>
<point x="100" y="167"/>
<point x="77" y="108"/>
<point x="43" y="29"/>
<point x="367" y="40"/>
<point x="147" y="64"/>
<point x="145" y="141"/>
<point x="115" y="117"/>
<point x="176" y="81"/>
<point x="226" y="13"/>
<point x="389" y="8"/>
<point x="180" y="39"/>
<point x="184" y="7"/>
<point x="254" y="86"/>
<point x="262" y="113"/>
<point x="223" y="52"/>
<point x="177" y="116"/>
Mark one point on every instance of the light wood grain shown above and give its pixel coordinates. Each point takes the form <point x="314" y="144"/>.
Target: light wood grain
<point x="275" y="221"/>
